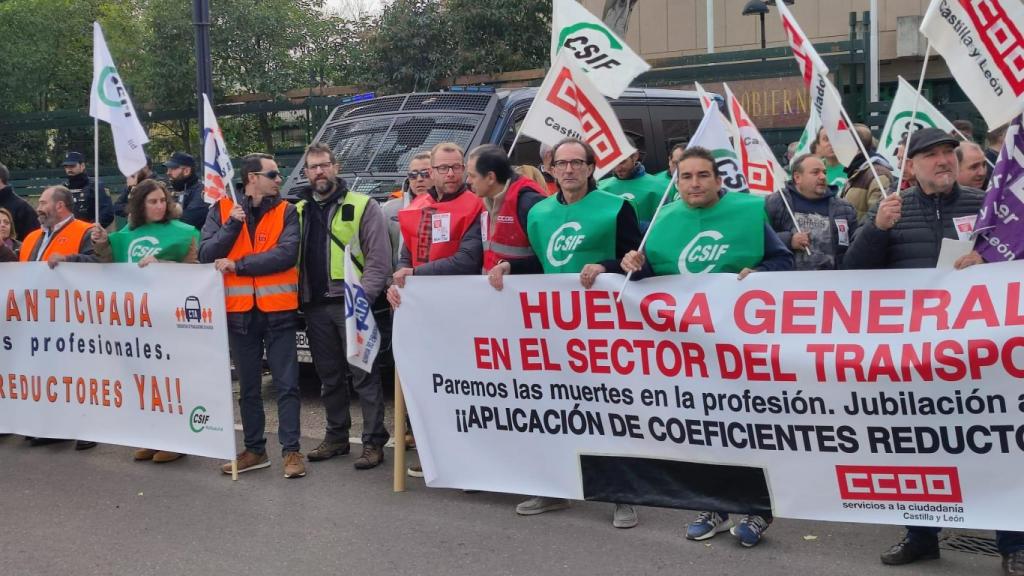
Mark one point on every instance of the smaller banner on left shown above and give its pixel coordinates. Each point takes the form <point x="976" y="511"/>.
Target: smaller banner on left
<point x="117" y="354"/>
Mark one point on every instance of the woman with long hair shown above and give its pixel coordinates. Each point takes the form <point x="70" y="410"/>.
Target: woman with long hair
<point x="9" y="244"/>
<point x="153" y="234"/>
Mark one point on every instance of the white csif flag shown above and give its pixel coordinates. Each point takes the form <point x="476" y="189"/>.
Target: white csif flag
<point x="898" y="124"/>
<point x="109" y="102"/>
<point x="713" y="135"/>
<point x="594" y="48"/>
<point x="217" y="168"/>
<point x="362" y="338"/>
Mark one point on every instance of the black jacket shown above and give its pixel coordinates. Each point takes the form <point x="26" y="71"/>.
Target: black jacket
<point x="193" y="207"/>
<point x="915" y="240"/>
<point x="25" y="218"/>
<point x="83" y="189"/>
<point x="217" y="241"/>
<point x="838" y="209"/>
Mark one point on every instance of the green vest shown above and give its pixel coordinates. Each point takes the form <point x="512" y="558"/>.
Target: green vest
<point x="644" y="193"/>
<point x="165" y="240"/>
<point x="836" y="175"/>
<point x="567" y="237"/>
<point x="344" y="231"/>
<point x="727" y="237"/>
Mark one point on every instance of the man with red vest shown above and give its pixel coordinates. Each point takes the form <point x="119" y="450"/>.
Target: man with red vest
<point x="255" y="243"/>
<point x="441" y="229"/>
<point x="508" y="199"/>
<point x="61" y="237"/>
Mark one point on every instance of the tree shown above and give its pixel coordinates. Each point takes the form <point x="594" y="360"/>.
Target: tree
<point x="518" y="34"/>
<point x="409" y="47"/>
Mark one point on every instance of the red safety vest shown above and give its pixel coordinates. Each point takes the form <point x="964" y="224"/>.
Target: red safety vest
<point x="433" y="230"/>
<point x="66" y="241"/>
<point x="272" y="292"/>
<point x="505" y="236"/>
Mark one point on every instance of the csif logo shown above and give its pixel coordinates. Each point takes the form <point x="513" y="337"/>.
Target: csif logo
<point x="563" y="243"/>
<point x="142" y="247"/>
<point x="110" y="81"/>
<point x="704" y="249"/>
<point x="591" y="44"/>
<point x="198" y="419"/>
<point x="899" y="483"/>
<point x="902" y="125"/>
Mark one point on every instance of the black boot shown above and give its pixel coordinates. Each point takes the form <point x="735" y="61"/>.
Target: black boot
<point x="911" y="550"/>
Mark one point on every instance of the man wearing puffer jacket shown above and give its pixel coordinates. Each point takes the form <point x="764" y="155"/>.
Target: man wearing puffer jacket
<point x="906" y="229"/>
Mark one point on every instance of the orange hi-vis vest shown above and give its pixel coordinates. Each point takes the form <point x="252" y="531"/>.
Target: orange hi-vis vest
<point x="504" y="237"/>
<point x="273" y="292"/>
<point x="433" y="230"/>
<point x="66" y="241"/>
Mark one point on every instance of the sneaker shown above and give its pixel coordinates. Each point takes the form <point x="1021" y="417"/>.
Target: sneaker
<point x="293" y="465"/>
<point x="1013" y="563"/>
<point x="540" y="505"/>
<point x="329" y="449"/>
<point x="163" y="457"/>
<point x="750" y="530"/>
<point x="911" y="550"/>
<point x="707" y="525"/>
<point x="625" y="516"/>
<point x="84" y="445"/>
<point x="415" y="471"/>
<point x="410" y="440"/>
<point x="372" y="457"/>
<point x="143" y="454"/>
<point x="248" y="461"/>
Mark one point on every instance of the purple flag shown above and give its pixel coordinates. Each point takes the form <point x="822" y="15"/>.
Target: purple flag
<point x="1000" y="224"/>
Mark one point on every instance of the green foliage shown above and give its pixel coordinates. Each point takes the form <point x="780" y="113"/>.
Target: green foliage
<point x="258" y="46"/>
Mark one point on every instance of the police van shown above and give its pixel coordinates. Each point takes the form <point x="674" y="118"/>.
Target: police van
<point x="374" y="139"/>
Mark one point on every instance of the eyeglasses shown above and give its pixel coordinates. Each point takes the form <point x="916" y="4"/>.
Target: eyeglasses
<point x="319" y="167"/>
<point x="576" y="164"/>
<point x="448" y="168"/>
<point x="414" y="174"/>
<point x="270" y="174"/>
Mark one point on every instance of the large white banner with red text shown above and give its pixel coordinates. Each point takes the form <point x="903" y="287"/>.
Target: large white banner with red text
<point x="889" y="397"/>
<point x="117" y="354"/>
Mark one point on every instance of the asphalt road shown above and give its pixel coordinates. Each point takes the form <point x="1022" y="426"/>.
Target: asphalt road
<point x="98" y="513"/>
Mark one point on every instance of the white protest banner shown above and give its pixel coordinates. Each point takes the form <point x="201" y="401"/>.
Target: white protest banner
<point x="109" y="101"/>
<point x="217" y="168"/>
<point x="117" y="354"/>
<point x="567" y="105"/>
<point x="982" y="42"/>
<point x="362" y="338"/>
<point x="897" y="124"/>
<point x="762" y="171"/>
<point x="890" y="398"/>
<point x="594" y="48"/>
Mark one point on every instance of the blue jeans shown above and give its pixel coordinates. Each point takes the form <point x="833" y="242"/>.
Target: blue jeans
<point x="1007" y="542"/>
<point x="247" y="354"/>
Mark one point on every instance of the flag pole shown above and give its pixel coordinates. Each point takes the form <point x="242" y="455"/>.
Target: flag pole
<point x="664" y="197"/>
<point x="913" y="114"/>
<point x="515" y="141"/>
<point x="785" y="200"/>
<point x="399" y="472"/>
<point x="860" y="145"/>
<point x="96" y="167"/>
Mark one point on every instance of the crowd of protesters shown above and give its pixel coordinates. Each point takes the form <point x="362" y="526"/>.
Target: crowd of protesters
<point x="472" y="213"/>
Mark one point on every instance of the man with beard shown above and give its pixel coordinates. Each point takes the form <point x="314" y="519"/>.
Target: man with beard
<point x="83" y="191"/>
<point x="332" y="218"/>
<point x="254" y="243"/>
<point x="181" y="170"/>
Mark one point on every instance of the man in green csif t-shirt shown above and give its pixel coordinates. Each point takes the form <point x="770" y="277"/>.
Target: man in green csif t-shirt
<point x="631" y="181"/>
<point x="711" y="232"/>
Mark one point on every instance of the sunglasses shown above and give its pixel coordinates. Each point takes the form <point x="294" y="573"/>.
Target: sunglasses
<point x="414" y="174"/>
<point x="271" y="174"/>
